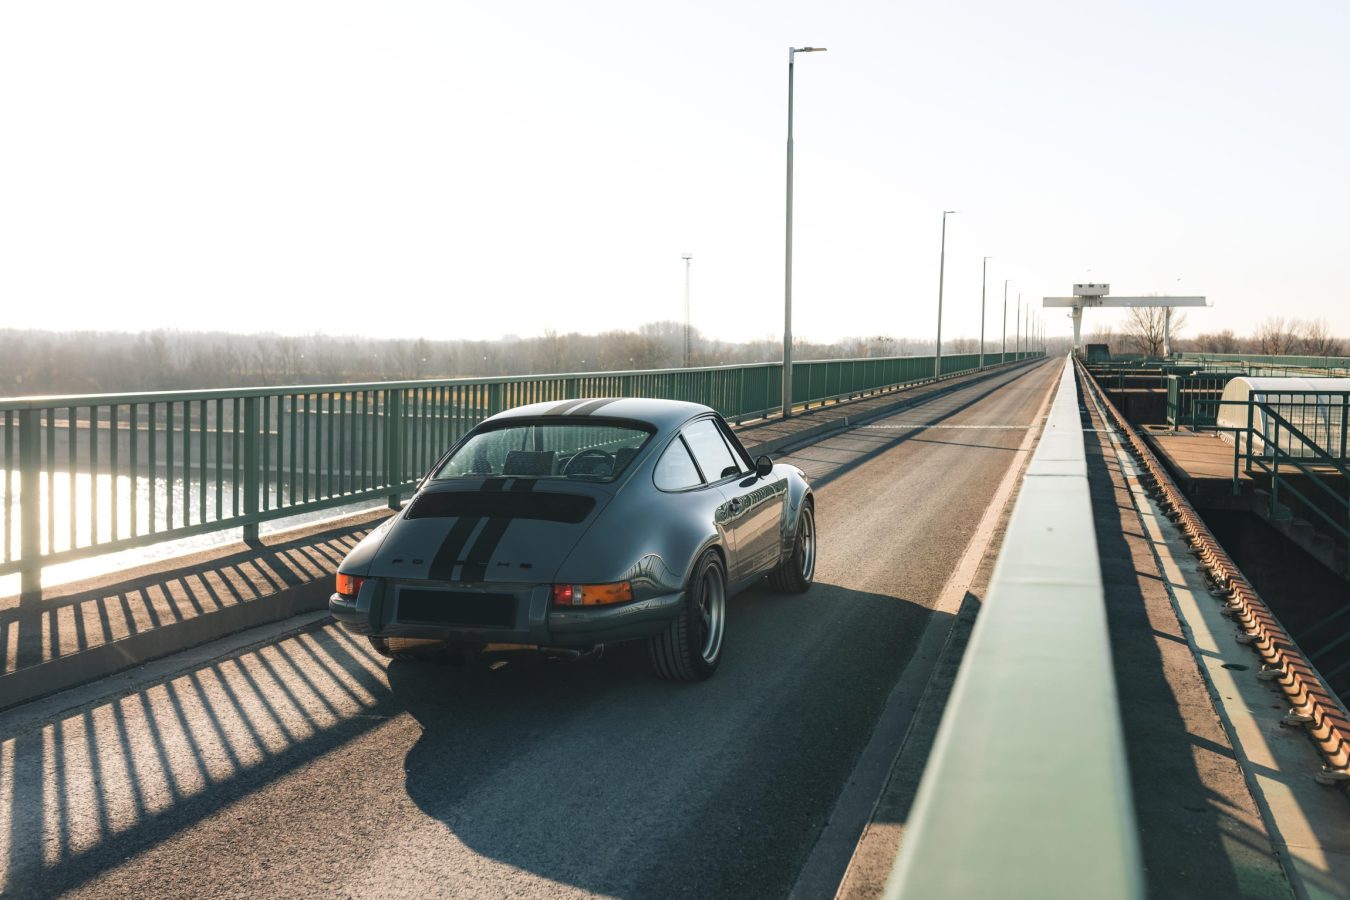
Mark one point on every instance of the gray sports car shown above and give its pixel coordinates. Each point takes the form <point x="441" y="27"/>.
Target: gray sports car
<point x="561" y="527"/>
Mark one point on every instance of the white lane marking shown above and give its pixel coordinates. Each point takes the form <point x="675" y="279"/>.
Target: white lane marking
<point x="827" y="868"/>
<point x="905" y="426"/>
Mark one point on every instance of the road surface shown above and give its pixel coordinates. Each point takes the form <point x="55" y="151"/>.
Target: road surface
<point x="308" y="765"/>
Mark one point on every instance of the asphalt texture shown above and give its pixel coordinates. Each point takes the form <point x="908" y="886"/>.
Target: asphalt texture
<point x="308" y="765"/>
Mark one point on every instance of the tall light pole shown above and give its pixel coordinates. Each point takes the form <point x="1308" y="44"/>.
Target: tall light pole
<point x="688" y="258"/>
<point x="984" y="277"/>
<point x="942" y="264"/>
<point x="1017" y="334"/>
<point x="1003" y="356"/>
<point x="787" y="257"/>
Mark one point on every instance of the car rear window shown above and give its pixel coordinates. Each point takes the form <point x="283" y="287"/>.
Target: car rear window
<point x="585" y="451"/>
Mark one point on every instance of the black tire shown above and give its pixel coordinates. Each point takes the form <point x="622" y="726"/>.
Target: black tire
<point x="406" y="649"/>
<point x="797" y="571"/>
<point x="685" y="651"/>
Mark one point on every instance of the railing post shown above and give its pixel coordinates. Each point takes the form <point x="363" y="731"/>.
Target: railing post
<point x="250" y="473"/>
<point x="1345" y="410"/>
<point x="1251" y="440"/>
<point x="393" y="421"/>
<point x="30" y="506"/>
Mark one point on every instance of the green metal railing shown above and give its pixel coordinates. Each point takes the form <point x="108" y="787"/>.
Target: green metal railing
<point x="1026" y="792"/>
<point x="1297" y="433"/>
<point x="1259" y="363"/>
<point x="1193" y="397"/>
<point x="94" y="474"/>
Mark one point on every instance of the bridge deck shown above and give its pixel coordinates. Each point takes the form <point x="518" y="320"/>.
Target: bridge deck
<point x="324" y="770"/>
<point x="305" y="764"/>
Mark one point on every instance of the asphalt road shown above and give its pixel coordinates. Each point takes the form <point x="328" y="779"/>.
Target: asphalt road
<point x="307" y="765"/>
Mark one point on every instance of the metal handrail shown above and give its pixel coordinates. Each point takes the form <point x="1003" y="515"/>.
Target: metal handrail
<point x="1285" y="361"/>
<point x="1272" y="455"/>
<point x="1020" y="799"/>
<point x="100" y="473"/>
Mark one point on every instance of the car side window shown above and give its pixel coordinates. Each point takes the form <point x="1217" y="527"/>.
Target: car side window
<point x="737" y="447"/>
<point x="710" y="450"/>
<point x="675" y="470"/>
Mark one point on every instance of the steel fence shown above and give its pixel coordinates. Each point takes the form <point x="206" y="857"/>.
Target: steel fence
<point x="93" y="474"/>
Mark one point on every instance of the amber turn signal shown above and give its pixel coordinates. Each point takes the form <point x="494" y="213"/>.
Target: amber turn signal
<point x="348" y="585"/>
<point x="592" y="594"/>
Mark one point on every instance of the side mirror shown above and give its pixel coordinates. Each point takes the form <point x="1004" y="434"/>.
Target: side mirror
<point x="763" y="466"/>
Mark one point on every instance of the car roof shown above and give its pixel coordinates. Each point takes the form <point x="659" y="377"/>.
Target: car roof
<point x="661" y="414"/>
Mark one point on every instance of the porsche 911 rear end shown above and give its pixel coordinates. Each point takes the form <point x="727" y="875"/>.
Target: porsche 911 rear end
<point x="474" y="557"/>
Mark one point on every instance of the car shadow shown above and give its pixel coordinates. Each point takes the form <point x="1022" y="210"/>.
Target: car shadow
<point x="594" y="775"/>
<point x="604" y="777"/>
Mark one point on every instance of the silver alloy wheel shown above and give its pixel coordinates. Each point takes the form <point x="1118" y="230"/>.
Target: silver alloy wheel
<point x="712" y="605"/>
<point x="806" y="543"/>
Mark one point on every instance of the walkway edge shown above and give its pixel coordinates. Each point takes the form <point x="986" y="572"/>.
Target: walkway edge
<point x="1026" y="792"/>
<point x="839" y="848"/>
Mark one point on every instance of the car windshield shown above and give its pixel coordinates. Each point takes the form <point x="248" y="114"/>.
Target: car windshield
<point x="597" y="451"/>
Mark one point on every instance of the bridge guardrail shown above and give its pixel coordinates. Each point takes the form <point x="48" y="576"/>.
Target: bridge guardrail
<point x="1276" y="364"/>
<point x="112" y="472"/>
<point x="1027" y="792"/>
<point x="1314" y="706"/>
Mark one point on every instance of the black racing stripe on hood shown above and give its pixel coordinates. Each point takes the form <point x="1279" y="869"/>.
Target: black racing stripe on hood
<point x="447" y="557"/>
<point x="587" y="408"/>
<point x="565" y="406"/>
<point x="489" y="539"/>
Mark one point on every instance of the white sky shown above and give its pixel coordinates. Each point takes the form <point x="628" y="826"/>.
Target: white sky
<point x="456" y="169"/>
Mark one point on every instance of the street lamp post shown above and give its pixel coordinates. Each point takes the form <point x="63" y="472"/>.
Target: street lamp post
<point x="787" y="257"/>
<point x="1017" y="326"/>
<point x="942" y="264"/>
<point x="1004" y="354"/>
<point x="984" y="277"/>
<point x="688" y="258"/>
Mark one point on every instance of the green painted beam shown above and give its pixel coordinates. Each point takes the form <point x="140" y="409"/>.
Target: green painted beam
<point x="1026" y="793"/>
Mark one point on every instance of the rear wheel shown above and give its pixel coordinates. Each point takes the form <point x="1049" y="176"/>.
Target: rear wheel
<point x="798" y="569"/>
<point x="407" y="649"/>
<point x="691" y="646"/>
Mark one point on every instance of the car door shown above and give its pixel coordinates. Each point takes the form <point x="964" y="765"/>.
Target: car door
<point x="753" y="506"/>
<point x="676" y="473"/>
<point x="759" y="505"/>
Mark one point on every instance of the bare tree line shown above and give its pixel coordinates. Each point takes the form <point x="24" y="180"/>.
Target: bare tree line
<point x="1277" y="335"/>
<point x="52" y="362"/>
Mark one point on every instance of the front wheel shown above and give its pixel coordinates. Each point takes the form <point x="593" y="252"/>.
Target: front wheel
<point x="798" y="569"/>
<point x="691" y="646"/>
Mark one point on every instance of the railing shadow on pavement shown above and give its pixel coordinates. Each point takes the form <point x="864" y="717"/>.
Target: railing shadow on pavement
<point x="82" y="792"/>
<point x="88" y="617"/>
<point x="106" y="786"/>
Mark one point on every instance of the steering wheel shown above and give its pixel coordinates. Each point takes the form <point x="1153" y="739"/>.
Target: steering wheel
<point x="595" y="453"/>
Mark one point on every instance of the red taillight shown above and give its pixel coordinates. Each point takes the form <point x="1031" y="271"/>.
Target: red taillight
<point x="592" y="594"/>
<point x="348" y="585"/>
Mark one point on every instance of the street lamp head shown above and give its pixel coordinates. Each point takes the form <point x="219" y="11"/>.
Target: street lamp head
<point x="949" y="212"/>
